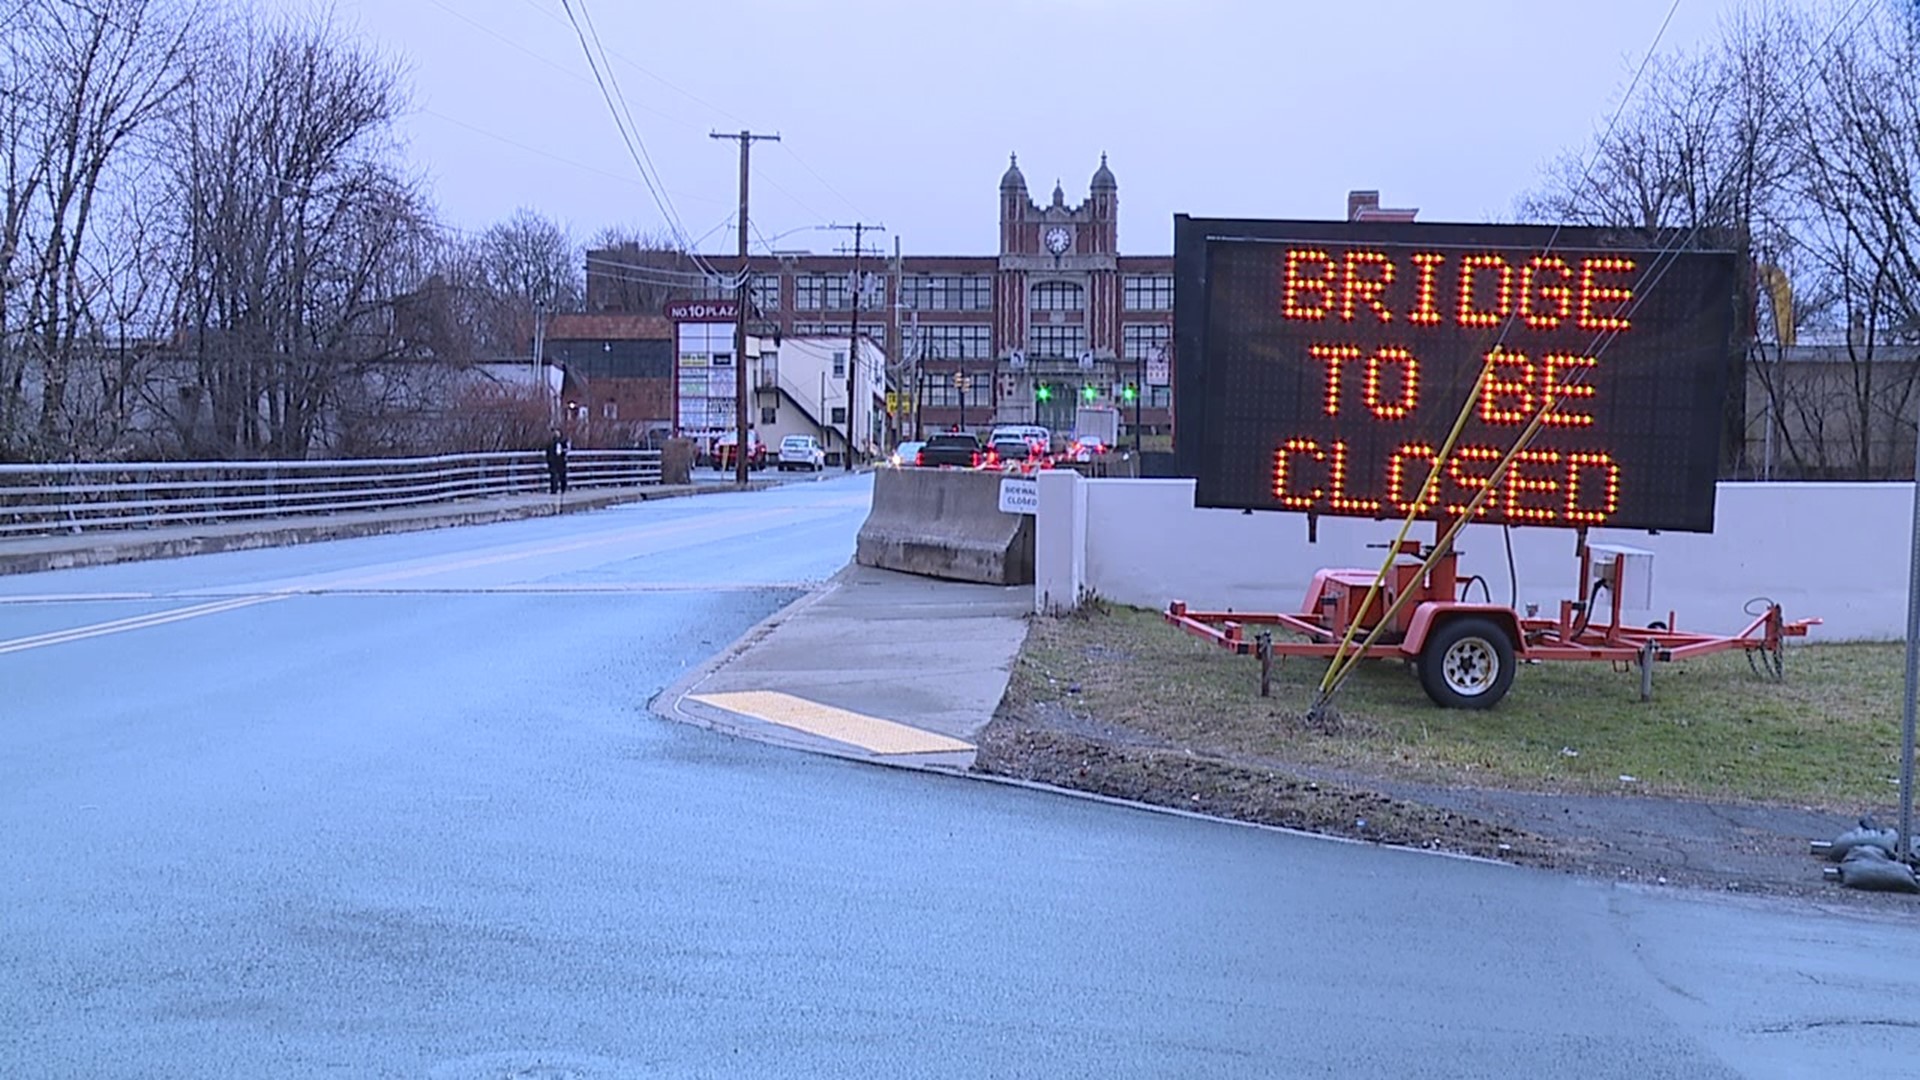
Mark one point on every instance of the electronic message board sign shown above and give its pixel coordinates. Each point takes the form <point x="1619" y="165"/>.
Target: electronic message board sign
<point x="1321" y="366"/>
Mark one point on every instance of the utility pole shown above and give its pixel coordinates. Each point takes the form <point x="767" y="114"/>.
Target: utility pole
<point x="540" y="357"/>
<point x="1139" y="392"/>
<point x="1911" y="699"/>
<point x="853" y="337"/>
<point x="742" y="295"/>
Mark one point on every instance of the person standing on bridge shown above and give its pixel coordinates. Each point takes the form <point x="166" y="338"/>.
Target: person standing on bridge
<point x="557" y="447"/>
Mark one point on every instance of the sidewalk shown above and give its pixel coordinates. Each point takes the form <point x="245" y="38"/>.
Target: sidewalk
<point x="33" y="554"/>
<point x="879" y="666"/>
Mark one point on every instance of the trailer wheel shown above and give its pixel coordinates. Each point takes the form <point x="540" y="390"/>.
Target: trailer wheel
<point x="1467" y="664"/>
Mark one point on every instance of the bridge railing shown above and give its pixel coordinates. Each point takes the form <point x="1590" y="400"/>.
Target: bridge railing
<point x="88" y="496"/>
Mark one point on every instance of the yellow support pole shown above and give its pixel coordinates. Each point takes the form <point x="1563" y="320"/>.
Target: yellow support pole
<point x="1331" y="686"/>
<point x="1430" y="484"/>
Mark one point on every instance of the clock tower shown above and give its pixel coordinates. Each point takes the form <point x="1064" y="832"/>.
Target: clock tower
<point x="1056" y="295"/>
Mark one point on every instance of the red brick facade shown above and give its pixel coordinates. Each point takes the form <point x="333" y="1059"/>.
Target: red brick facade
<point x="1028" y="332"/>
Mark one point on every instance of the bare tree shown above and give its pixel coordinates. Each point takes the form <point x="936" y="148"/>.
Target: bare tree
<point x="1860" y="184"/>
<point x="515" y="269"/>
<point x="299" y="231"/>
<point x="86" y="79"/>
<point x="1796" y="132"/>
<point x="636" y="272"/>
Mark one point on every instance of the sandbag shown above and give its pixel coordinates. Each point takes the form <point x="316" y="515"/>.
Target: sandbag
<point x="1867" y="833"/>
<point x="1880" y="874"/>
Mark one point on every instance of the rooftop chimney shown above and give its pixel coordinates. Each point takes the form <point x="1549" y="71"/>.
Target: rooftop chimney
<point x="1365" y="206"/>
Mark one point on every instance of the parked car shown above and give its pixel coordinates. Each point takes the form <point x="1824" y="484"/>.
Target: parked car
<point x="723" y="449"/>
<point x="952" y="450"/>
<point x="907" y="453"/>
<point x="802" y="452"/>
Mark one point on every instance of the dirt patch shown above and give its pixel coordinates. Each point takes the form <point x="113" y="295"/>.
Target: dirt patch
<point x="1118" y="703"/>
<point x="1127" y="769"/>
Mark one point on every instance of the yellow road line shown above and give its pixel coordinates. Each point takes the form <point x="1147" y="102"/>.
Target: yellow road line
<point x="869" y="733"/>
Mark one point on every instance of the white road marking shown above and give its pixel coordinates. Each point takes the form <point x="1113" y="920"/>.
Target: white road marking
<point x="81" y="598"/>
<point x="363" y="584"/>
<point x="138" y="622"/>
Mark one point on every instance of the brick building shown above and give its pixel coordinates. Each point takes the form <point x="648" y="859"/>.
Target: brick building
<point x="619" y="374"/>
<point x="1056" y="318"/>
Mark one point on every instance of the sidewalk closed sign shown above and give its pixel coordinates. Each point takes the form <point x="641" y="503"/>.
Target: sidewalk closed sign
<point x="1019" y="496"/>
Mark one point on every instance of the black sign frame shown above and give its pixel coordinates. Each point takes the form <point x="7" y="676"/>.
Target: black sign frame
<point x="1646" y="415"/>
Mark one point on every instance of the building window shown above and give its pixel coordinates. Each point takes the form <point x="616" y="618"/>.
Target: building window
<point x="700" y="341"/>
<point x="839" y="365"/>
<point x="769" y="415"/>
<point x="1056" y="342"/>
<point x="1138" y="340"/>
<point x="941" y="390"/>
<point x="947" y="292"/>
<point x="766" y="292"/>
<point x="1159" y="397"/>
<point x="1058" y="296"/>
<point x="609" y="411"/>
<point x="874" y="332"/>
<point x="838" y="416"/>
<point x="1147" y="292"/>
<point x="954" y="342"/>
<point x="821" y="292"/>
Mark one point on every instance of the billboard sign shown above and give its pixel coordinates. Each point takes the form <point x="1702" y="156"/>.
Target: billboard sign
<point x="1325" y="363"/>
<point x="720" y="311"/>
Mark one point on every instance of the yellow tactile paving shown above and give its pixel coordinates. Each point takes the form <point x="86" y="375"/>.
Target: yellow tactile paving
<point x="869" y="733"/>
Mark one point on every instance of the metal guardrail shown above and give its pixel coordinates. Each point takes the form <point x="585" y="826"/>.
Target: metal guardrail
<point x="88" y="496"/>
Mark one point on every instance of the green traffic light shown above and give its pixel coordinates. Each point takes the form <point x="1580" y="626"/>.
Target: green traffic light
<point x="1089" y="393"/>
<point x="1044" y="392"/>
<point x="1129" y="393"/>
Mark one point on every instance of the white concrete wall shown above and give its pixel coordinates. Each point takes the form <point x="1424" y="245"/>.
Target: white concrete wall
<point x="1836" y="551"/>
<point x="1060" y="543"/>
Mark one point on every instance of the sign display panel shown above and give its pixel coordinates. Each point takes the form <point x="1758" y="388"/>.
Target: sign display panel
<point x="1324" y="364"/>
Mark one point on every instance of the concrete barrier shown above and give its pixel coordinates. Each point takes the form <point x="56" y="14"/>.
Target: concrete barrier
<point x="676" y="461"/>
<point x="946" y="523"/>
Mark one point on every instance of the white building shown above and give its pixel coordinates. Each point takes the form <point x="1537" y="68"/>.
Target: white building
<point x="801" y="389"/>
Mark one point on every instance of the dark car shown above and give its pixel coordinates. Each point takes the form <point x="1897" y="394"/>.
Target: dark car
<point x="1017" y="453"/>
<point x="952" y="449"/>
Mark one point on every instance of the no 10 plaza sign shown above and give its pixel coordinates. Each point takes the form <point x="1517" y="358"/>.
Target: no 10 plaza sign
<point x="1323" y="364"/>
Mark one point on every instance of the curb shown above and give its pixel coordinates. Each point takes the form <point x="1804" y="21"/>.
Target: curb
<point x="670" y="705"/>
<point x="292" y="532"/>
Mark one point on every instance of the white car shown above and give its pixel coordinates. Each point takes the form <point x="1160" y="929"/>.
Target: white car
<point x="802" y="452"/>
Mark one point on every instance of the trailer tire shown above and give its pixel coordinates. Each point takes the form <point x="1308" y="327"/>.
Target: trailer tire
<point x="1467" y="663"/>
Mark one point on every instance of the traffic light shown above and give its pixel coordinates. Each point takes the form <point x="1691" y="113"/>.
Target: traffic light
<point x="1043" y="392"/>
<point x="1129" y="392"/>
<point x="1089" y="392"/>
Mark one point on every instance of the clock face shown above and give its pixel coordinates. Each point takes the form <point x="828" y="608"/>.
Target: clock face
<point x="1058" y="240"/>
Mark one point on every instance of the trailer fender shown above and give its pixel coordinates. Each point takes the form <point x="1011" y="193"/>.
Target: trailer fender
<point x="1431" y="615"/>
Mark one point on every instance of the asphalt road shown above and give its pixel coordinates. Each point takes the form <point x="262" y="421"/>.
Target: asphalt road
<point x="395" y="807"/>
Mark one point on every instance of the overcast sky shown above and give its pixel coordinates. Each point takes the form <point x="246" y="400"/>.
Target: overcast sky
<point x="902" y="113"/>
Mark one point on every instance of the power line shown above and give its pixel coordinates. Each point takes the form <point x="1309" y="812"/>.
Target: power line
<point x="623" y="121"/>
<point x="509" y="42"/>
<point x="641" y="68"/>
<point x="622" y="177"/>
<point x="822" y="179"/>
<point x="702" y="102"/>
